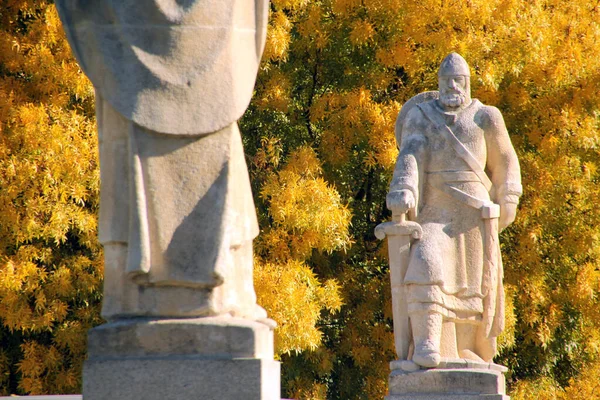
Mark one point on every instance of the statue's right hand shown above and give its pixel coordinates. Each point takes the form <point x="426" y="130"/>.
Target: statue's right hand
<point x="400" y="201"/>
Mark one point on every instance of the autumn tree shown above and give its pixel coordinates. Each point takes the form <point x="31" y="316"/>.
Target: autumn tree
<point x="321" y="149"/>
<point x="334" y="76"/>
<point x="50" y="259"/>
<point x="50" y="270"/>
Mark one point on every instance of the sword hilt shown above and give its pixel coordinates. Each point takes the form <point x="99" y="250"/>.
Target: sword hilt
<point x="399" y="226"/>
<point x="399" y="217"/>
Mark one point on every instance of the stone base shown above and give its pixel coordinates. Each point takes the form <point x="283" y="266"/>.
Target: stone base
<point x="201" y="358"/>
<point x="452" y="380"/>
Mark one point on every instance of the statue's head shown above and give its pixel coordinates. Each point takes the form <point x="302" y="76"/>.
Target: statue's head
<point x="454" y="82"/>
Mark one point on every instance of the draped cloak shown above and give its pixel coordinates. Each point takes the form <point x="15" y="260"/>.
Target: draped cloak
<point x="171" y="77"/>
<point x="447" y="268"/>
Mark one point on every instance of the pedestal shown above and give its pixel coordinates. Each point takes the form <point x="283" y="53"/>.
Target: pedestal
<point x="452" y="380"/>
<point x="201" y="358"/>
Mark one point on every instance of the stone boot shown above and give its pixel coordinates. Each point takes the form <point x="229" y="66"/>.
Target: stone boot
<point x="427" y="334"/>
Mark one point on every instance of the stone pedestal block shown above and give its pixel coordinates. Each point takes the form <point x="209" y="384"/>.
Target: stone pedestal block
<point x="202" y="358"/>
<point x="452" y="380"/>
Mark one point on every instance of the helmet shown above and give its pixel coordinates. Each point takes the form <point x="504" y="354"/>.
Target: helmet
<point x="454" y="64"/>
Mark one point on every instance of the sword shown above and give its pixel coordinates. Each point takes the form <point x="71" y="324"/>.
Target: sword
<point x="400" y="233"/>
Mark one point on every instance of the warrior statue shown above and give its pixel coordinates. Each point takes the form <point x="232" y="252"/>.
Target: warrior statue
<point x="458" y="179"/>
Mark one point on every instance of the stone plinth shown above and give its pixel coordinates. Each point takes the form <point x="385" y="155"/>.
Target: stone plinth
<point x="220" y="358"/>
<point x="452" y="380"/>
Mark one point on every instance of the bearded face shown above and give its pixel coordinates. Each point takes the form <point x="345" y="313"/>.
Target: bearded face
<point x="453" y="91"/>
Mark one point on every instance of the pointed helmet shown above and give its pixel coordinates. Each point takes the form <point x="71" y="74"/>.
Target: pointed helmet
<point x="454" y="64"/>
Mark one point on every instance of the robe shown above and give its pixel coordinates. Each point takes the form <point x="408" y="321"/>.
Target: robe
<point x="171" y="80"/>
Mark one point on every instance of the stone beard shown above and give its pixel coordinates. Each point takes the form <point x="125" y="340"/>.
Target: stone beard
<point x="455" y="169"/>
<point x="177" y="217"/>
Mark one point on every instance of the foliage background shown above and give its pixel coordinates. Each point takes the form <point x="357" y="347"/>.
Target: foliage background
<point x="320" y="149"/>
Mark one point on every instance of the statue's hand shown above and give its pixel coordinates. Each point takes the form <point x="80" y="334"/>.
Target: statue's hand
<point x="400" y="201"/>
<point x="508" y="212"/>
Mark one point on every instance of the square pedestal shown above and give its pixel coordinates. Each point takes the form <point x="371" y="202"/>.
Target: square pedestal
<point x="203" y="358"/>
<point x="452" y="380"/>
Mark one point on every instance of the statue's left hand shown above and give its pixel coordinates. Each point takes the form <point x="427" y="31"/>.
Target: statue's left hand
<point x="508" y="212"/>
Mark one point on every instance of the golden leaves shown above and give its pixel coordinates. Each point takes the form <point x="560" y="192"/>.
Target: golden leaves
<point x="541" y="388"/>
<point x="362" y="32"/>
<point x="276" y="92"/>
<point x="307" y="214"/>
<point x="354" y="118"/>
<point x="289" y="4"/>
<point x="294" y="298"/>
<point x="49" y="271"/>
<point x="303" y="206"/>
<point x="278" y="37"/>
<point x="349" y="66"/>
<point x="344" y="7"/>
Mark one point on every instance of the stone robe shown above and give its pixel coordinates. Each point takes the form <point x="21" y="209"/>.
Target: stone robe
<point x="176" y="212"/>
<point x="448" y="271"/>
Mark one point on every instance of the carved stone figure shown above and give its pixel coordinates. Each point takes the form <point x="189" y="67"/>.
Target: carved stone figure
<point x="176" y="212"/>
<point x="458" y="178"/>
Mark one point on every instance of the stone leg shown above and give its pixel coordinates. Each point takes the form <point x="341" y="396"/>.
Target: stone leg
<point x="427" y="333"/>
<point x="213" y="358"/>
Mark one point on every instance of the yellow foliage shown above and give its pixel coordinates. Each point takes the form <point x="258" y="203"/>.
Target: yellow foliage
<point x="304" y="208"/>
<point x="349" y="65"/>
<point x="306" y="213"/>
<point x="361" y="33"/>
<point x="542" y="388"/>
<point x="50" y="273"/>
<point x="278" y="37"/>
<point x="294" y="298"/>
<point x="276" y="92"/>
<point x="333" y="77"/>
<point x="584" y="387"/>
<point x="304" y="389"/>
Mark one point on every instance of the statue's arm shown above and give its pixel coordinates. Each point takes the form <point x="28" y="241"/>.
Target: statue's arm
<point x="404" y="188"/>
<point x="503" y="166"/>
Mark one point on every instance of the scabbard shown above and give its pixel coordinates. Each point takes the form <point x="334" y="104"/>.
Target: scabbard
<point x="492" y="288"/>
<point x="400" y="234"/>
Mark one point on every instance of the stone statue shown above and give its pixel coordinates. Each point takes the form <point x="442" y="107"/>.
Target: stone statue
<point x="457" y="178"/>
<point x="177" y="217"/>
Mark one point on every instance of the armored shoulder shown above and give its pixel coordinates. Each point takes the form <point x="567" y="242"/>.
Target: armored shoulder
<point x="415" y="119"/>
<point x="489" y="118"/>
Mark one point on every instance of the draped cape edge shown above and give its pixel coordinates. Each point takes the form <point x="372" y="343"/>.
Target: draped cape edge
<point x="152" y="59"/>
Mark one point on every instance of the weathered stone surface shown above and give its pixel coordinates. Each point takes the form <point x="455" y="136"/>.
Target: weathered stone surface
<point x="169" y="66"/>
<point x="177" y="217"/>
<point x="455" y="381"/>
